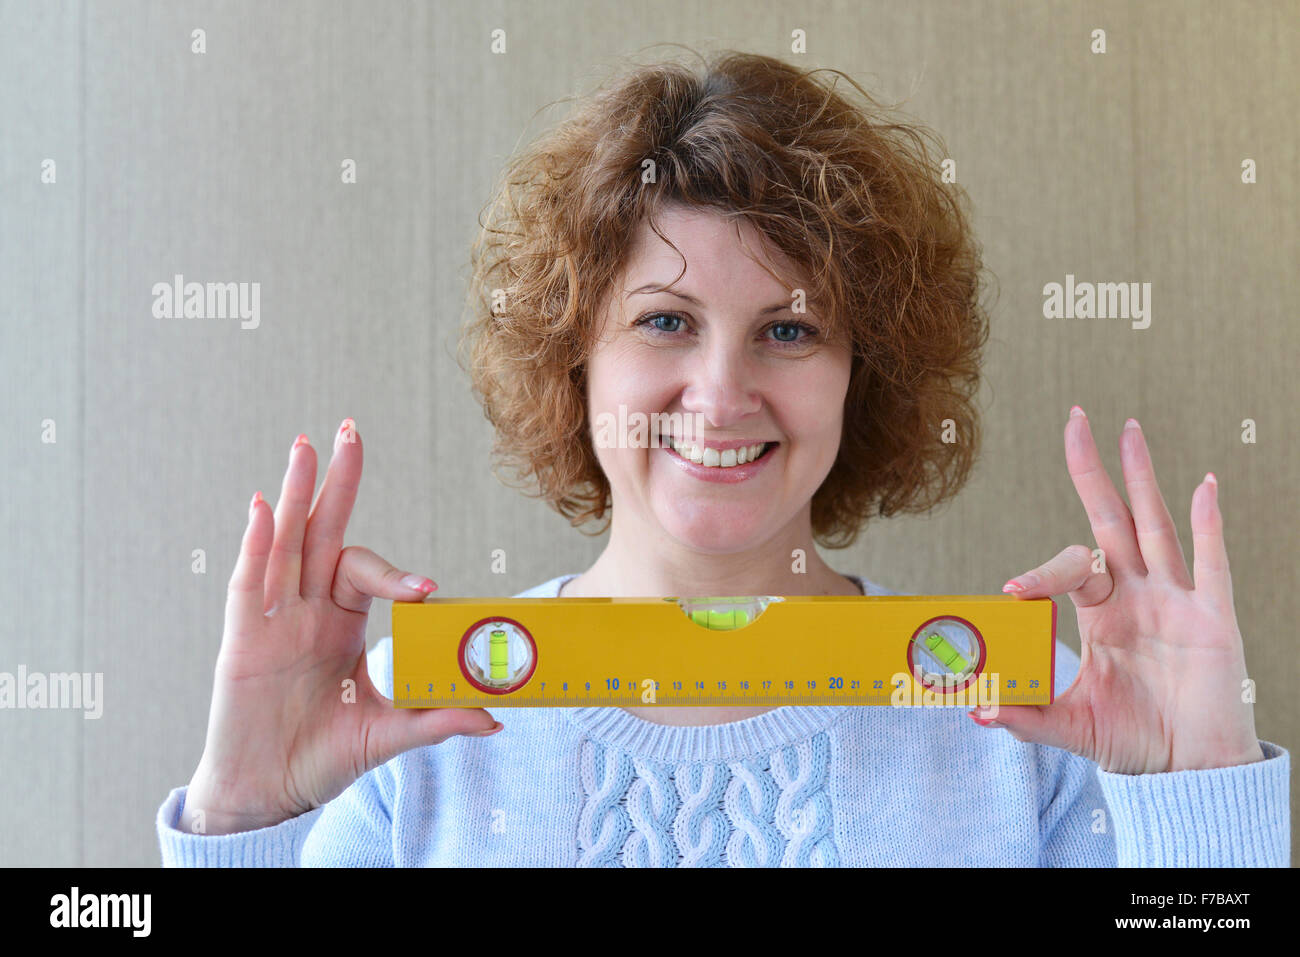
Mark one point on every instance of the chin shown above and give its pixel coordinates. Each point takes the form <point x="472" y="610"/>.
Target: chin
<point x="720" y="531"/>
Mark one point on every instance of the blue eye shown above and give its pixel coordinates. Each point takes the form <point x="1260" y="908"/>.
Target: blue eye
<point x="651" y="322"/>
<point x="794" y="326"/>
<point x="660" y="315"/>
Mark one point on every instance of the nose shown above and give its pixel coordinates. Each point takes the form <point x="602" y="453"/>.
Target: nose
<point x="722" y="386"/>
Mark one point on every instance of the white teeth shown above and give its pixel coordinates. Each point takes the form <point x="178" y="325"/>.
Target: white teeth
<point x="712" y="458"/>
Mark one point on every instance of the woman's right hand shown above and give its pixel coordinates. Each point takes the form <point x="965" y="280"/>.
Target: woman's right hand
<point x="286" y="734"/>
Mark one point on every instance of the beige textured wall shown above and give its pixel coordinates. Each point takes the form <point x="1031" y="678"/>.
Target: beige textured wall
<point x="225" y="167"/>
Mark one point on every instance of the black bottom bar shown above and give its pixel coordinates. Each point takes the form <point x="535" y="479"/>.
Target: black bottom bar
<point x="989" y="908"/>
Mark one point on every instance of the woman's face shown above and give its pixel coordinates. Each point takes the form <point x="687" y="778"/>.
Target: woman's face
<point x="740" y="357"/>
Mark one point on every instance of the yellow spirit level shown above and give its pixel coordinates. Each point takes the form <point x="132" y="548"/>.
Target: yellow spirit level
<point x="738" y="651"/>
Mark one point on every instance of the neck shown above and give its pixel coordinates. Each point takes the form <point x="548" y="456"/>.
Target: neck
<point x="786" y="564"/>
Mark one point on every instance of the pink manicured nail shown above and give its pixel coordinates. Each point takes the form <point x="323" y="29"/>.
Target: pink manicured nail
<point x="1022" y="583"/>
<point x="1075" y="410"/>
<point x="1132" y="424"/>
<point x="419" y="583"/>
<point x="1209" y="477"/>
<point x="257" y="497"/>
<point x="345" y="433"/>
<point x="301" y="440"/>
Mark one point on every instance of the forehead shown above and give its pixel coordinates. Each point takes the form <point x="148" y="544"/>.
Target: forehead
<point x="720" y="253"/>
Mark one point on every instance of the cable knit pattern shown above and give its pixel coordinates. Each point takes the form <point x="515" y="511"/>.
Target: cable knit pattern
<point x="700" y="829"/>
<point x="803" y="811"/>
<point x="797" y="786"/>
<point x="604" y="823"/>
<point x="767" y="811"/>
<point x="652" y="804"/>
<point x="750" y="802"/>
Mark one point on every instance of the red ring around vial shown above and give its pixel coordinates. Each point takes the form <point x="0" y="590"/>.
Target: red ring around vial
<point x="948" y="688"/>
<point x="497" y="689"/>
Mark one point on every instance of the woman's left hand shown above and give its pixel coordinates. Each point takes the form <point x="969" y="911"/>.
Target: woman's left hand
<point x="1162" y="669"/>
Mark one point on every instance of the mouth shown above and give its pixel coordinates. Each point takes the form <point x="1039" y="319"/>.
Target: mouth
<point x="720" y="455"/>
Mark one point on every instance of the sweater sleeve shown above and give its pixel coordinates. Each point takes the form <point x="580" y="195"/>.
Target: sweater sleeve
<point x="277" y="846"/>
<point x="1217" y="817"/>
<point x="353" y="830"/>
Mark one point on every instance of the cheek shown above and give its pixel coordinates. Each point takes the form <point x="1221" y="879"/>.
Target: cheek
<point x="639" y="380"/>
<point x="623" y="390"/>
<point x="813" y="403"/>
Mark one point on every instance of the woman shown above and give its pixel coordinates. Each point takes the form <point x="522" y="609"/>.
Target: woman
<point x="747" y="249"/>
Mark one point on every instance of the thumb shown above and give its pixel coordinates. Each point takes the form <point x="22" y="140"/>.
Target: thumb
<point x="395" y="731"/>
<point x="1029" y="723"/>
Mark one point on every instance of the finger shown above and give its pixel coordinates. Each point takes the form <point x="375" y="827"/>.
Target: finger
<point x="245" y="595"/>
<point x="1051" y="724"/>
<point x="329" y="517"/>
<point x="282" y="574"/>
<point x="394" y="731"/>
<point x="1069" y="572"/>
<point x="363" y="575"/>
<point x="1209" y="553"/>
<point x="1157" y="536"/>
<point x="1112" y="525"/>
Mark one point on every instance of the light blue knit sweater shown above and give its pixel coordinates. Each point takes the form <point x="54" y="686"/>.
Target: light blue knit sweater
<point x="794" y="787"/>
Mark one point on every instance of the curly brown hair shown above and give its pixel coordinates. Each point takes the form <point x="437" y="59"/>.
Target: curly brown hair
<point x="846" y="191"/>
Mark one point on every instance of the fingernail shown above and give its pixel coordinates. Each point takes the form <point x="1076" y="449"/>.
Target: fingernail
<point x="984" y="722"/>
<point x="1132" y="424"/>
<point x="419" y="583"/>
<point x="257" y="497"/>
<point x="345" y="433"/>
<point x="1075" y="410"/>
<point x="1209" y="477"/>
<point x="1022" y="583"/>
<point x="483" y="734"/>
<point x="300" y="440"/>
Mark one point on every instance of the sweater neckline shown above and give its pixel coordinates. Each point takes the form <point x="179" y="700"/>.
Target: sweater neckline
<point x="711" y="742"/>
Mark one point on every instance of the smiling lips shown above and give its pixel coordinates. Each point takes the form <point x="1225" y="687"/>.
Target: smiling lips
<point x="727" y="462"/>
<point x="718" y="454"/>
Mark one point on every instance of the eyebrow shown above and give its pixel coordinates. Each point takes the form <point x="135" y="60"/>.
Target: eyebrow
<point x="650" y="288"/>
